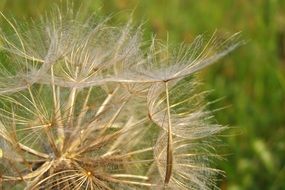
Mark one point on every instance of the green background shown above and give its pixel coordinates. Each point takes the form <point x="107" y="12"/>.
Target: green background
<point x="249" y="83"/>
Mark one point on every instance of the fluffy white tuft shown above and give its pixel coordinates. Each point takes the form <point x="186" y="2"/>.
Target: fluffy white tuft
<point x="84" y="105"/>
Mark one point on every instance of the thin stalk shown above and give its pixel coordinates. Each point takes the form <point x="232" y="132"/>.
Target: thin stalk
<point x="169" y="158"/>
<point x="60" y="127"/>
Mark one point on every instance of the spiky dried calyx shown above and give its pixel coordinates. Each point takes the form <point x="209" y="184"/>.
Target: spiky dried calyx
<point x="83" y="106"/>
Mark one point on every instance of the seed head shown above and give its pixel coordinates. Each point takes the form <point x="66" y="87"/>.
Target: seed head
<point x="85" y="105"/>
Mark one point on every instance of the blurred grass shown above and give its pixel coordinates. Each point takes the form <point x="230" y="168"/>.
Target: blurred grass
<point x="251" y="80"/>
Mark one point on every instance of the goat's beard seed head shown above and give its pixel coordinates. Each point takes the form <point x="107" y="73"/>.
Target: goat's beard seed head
<point x="85" y="106"/>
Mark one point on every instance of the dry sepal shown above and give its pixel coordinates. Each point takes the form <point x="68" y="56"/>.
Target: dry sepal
<point x="84" y="105"/>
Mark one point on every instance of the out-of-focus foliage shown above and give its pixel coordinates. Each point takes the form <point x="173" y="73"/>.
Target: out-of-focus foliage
<point x="251" y="81"/>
